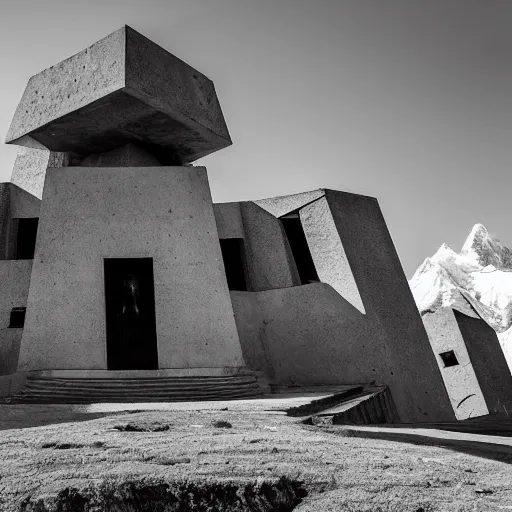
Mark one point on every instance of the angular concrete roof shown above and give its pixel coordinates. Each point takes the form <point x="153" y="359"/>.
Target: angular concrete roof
<point x="122" y="89"/>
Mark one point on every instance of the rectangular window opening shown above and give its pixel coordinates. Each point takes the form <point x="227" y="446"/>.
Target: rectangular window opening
<point x="17" y="317"/>
<point x="300" y="248"/>
<point x="26" y="234"/>
<point x="233" y="255"/>
<point x="449" y="358"/>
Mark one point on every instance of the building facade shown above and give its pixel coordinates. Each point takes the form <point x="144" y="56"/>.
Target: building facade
<point x="116" y="261"/>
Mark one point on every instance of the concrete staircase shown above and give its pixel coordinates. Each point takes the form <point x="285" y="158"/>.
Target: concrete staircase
<point x="54" y="390"/>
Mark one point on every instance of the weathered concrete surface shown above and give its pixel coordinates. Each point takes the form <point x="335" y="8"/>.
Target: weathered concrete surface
<point x="122" y="89"/>
<point x="327" y="251"/>
<point x="14" y="203"/>
<point x="89" y="214"/>
<point x="229" y="220"/>
<point x="461" y="382"/>
<point x="250" y="325"/>
<point x="282" y="205"/>
<point x="489" y="363"/>
<point x="31" y="163"/>
<point x="310" y="335"/>
<point x="270" y="263"/>
<point x="15" y="280"/>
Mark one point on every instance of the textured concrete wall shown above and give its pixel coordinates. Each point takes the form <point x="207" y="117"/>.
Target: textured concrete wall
<point x="228" y="218"/>
<point x="270" y="263"/>
<point x="250" y="323"/>
<point x="311" y="336"/>
<point x="89" y="214"/>
<point x="461" y="381"/>
<point x="23" y="204"/>
<point x="489" y="363"/>
<point x="15" y="280"/>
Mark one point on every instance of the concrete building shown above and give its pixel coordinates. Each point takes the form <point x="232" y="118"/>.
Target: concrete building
<point x="117" y="265"/>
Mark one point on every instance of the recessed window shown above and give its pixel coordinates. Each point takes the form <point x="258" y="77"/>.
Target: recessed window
<point x="449" y="358"/>
<point x="234" y="263"/>
<point x="26" y="234"/>
<point x="300" y="248"/>
<point x="17" y="317"/>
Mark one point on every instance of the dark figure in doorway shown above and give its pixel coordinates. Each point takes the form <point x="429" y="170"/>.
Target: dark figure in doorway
<point x="130" y="296"/>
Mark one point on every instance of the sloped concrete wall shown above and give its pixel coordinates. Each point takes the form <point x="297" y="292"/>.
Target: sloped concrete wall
<point x="489" y="363"/>
<point x="15" y="281"/>
<point x="89" y="214"/>
<point x="327" y="251"/>
<point x="388" y="300"/>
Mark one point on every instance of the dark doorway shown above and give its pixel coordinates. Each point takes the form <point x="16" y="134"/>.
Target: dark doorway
<point x="130" y="314"/>
<point x="300" y="248"/>
<point x="26" y="234"/>
<point x="234" y="256"/>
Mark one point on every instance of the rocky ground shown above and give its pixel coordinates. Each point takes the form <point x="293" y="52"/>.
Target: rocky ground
<point x="238" y="455"/>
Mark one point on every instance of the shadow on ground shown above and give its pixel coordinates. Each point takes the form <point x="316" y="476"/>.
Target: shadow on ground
<point x="479" y="445"/>
<point x="23" y="416"/>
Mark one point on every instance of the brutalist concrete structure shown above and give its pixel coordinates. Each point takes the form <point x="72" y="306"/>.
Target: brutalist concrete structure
<point x="472" y="363"/>
<point x="116" y="263"/>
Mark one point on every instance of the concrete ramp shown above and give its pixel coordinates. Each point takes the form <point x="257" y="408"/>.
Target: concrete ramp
<point x="368" y="405"/>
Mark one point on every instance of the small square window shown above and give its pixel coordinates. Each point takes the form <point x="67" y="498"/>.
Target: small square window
<point x="17" y="317"/>
<point x="449" y="358"/>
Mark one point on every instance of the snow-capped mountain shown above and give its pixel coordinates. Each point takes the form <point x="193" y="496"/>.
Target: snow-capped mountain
<point x="476" y="282"/>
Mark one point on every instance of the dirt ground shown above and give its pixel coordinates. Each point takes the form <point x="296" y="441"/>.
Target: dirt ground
<point x="46" y="449"/>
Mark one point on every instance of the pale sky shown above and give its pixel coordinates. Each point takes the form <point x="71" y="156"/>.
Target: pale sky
<point x="409" y="101"/>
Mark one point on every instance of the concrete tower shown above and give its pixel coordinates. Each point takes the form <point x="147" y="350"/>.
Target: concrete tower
<point x="127" y="273"/>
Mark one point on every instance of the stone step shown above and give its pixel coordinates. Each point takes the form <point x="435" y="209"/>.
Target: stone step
<point x="166" y="389"/>
<point x="76" y="383"/>
<point x="138" y="391"/>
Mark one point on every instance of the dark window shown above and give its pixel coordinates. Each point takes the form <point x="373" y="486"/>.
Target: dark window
<point x="233" y="256"/>
<point x="300" y="248"/>
<point x="26" y="234"/>
<point x="17" y="317"/>
<point x="449" y="358"/>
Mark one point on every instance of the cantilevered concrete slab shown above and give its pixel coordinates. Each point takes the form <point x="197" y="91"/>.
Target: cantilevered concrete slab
<point x="123" y="89"/>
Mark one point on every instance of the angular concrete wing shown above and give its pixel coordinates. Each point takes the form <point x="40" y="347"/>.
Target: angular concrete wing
<point x="327" y="251"/>
<point x="122" y="89"/>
